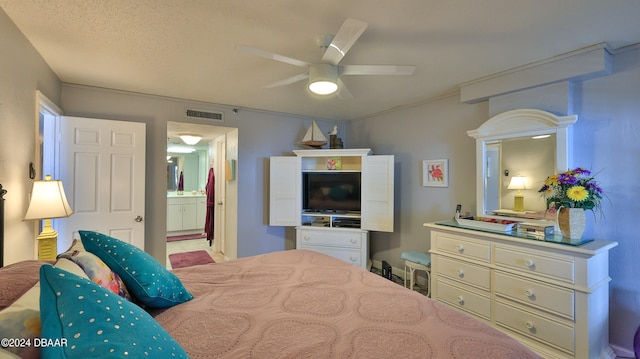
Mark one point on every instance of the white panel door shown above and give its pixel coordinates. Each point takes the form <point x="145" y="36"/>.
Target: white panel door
<point x="285" y="204"/>
<point x="377" y="193"/>
<point x="102" y="168"/>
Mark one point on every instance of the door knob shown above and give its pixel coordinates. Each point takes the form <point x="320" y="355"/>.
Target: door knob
<point x="138" y="219"/>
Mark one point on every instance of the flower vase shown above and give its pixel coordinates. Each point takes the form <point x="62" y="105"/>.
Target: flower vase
<point x="572" y="222"/>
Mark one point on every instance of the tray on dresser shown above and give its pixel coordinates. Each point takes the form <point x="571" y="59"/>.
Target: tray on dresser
<point x="490" y="226"/>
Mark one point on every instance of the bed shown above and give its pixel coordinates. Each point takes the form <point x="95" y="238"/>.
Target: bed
<point x="288" y="304"/>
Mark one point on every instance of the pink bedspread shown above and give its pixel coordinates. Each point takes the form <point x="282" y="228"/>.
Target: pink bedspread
<point x="298" y="303"/>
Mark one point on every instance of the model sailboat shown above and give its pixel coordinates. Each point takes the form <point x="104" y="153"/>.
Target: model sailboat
<point x="314" y="137"/>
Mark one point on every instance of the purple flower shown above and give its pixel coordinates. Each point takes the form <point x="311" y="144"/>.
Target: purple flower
<point x="567" y="179"/>
<point x="581" y="171"/>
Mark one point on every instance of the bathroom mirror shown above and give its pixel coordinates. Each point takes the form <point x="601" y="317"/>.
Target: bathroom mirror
<point x="529" y="143"/>
<point x="194" y="167"/>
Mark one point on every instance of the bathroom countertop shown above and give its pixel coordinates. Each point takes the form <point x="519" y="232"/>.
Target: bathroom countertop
<point x="186" y="194"/>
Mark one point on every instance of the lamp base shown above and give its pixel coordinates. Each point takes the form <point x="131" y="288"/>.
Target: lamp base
<point x="47" y="243"/>
<point x="518" y="203"/>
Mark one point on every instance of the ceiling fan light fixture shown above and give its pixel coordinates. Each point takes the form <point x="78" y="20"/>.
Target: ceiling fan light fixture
<point x="323" y="79"/>
<point x="190" y="138"/>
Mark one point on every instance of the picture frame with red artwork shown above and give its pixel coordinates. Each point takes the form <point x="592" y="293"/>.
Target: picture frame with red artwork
<point x="435" y="173"/>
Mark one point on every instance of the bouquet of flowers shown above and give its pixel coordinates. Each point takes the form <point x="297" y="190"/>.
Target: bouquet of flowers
<point x="575" y="188"/>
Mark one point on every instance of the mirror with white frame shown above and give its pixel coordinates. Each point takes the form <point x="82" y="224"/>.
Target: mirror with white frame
<point x="527" y="143"/>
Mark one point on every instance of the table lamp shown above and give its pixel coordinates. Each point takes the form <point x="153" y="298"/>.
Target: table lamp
<point x="48" y="201"/>
<point x="518" y="183"/>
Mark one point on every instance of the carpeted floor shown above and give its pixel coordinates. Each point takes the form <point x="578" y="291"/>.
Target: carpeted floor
<point x="188" y="259"/>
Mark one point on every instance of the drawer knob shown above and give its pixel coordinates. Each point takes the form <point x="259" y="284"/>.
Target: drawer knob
<point x="306" y="238"/>
<point x="353" y="241"/>
<point x="460" y="300"/>
<point x="528" y="293"/>
<point x="460" y="273"/>
<point x="353" y="259"/>
<point x="529" y="263"/>
<point x="460" y="248"/>
<point x="529" y="325"/>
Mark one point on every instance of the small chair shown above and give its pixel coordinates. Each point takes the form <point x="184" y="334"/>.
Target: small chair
<point x="416" y="260"/>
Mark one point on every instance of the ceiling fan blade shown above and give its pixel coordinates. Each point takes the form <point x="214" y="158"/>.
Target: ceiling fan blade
<point x="377" y="69"/>
<point x="272" y="56"/>
<point x="343" y="92"/>
<point x="288" y="80"/>
<point x="349" y="32"/>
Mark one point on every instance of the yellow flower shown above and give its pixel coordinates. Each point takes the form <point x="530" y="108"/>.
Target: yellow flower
<point x="577" y="193"/>
<point x="551" y="180"/>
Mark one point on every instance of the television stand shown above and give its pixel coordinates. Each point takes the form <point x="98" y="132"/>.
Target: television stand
<point x="339" y="233"/>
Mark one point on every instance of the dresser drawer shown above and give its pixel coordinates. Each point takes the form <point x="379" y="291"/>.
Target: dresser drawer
<point x="350" y="256"/>
<point x="464" y="299"/>
<point x="560" y="335"/>
<point x="547" y="297"/>
<point x="536" y="262"/>
<point x="462" y="247"/>
<point x="330" y="238"/>
<point x="465" y="272"/>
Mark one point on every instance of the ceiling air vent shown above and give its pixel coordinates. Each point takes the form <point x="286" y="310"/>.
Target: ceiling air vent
<point x="217" y="116"/>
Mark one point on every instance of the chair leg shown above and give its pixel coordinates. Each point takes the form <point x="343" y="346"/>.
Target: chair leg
<point x="405" y="276"/>
<point x="412" y="275"/>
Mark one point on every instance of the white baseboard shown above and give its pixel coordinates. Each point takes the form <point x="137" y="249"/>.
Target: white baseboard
<point x="616" y="351"/>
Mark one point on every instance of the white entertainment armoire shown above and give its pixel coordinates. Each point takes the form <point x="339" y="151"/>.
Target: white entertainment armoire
<point x="342" y="235"/>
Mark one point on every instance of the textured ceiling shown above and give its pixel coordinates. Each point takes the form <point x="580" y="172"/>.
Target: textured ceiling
<point x="187" y="49"/>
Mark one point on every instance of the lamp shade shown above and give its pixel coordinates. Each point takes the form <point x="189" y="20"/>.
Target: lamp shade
<point x="518" y="182"/>
<point x="323" y="79"/>
<point x="190" y="138"/>
<point x="48" y="201"/>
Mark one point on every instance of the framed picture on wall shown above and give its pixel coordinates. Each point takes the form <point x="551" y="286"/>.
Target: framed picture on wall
<point x="435" y="173"/>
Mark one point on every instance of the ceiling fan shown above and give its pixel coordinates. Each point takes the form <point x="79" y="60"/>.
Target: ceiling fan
<point x="324" y="77"/>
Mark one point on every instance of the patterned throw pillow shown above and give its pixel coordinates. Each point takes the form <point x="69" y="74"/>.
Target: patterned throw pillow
<point x="148" y="281"/>
<point x="21" y="320"/>
<point x="96" y="269"/>
<point x="81" y="319"/>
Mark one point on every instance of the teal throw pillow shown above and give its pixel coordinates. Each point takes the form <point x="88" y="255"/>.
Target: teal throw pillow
<point x="81" y="319"/>
<point x="148" y="281"/>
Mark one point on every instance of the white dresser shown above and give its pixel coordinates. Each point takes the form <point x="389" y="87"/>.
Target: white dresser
<point x="552" y="297"/>
<point x="349" y="245"/>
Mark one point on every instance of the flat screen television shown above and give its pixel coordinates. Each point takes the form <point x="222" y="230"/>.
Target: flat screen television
<point x="331" y="192"/>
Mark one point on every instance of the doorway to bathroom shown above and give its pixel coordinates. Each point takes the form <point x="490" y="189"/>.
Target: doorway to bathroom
<point x="192" y="171"/>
